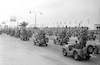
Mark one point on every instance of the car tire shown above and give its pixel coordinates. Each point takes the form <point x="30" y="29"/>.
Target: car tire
<point x="64" y="52"/>
<point x="96" y="50"/>
<point x="89" y="48"/>
<point x="76" y="56"/>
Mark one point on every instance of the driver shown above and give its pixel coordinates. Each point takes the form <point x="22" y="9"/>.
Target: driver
<point x="83" y="38"/>
<point x="76" y="45"/>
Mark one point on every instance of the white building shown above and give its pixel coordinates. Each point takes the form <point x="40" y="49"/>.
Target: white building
<point x="95" y="26"/>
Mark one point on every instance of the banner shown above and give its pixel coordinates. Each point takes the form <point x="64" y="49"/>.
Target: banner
<point x="13" y="19"/>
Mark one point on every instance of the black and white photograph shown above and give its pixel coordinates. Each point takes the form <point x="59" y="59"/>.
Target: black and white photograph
<point x="49" y="32"/>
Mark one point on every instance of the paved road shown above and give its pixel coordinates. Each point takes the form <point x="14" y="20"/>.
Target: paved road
<point x="13" y="51"/>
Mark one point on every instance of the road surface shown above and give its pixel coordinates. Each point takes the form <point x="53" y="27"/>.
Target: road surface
<point x="13" y="51"/>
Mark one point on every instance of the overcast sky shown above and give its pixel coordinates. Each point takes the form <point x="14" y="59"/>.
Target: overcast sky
<point x="54" y="11"/>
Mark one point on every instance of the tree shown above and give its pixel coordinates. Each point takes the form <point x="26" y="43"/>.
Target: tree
<point x="23" y="24"/>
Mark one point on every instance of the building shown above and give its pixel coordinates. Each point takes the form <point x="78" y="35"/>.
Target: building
<point x="96" y="26"/>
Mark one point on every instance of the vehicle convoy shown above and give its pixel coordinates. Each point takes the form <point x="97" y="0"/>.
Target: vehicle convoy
<point x="61" y="38"/>
<point x="24" y="35"/>
<point x="77" y="52"/>
<point x="40" y="39"/>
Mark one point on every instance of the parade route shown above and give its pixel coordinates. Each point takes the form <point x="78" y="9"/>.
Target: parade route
<point x="13" y="51"/>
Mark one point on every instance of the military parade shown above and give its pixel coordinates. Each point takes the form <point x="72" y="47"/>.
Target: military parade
<point x="50" y="32"/>
<point x="79" y="49"/>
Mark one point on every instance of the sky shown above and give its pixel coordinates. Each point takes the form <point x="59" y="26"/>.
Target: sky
<point x="54" y="12"/>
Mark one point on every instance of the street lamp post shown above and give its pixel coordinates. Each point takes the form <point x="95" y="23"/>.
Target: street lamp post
<point x="35" y="16"/>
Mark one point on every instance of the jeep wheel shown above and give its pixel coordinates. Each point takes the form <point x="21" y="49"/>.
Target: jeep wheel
<point x="96" y="50"/>
<point x="76" y="56"/>
<point x="90" y="49"/>
<point x="88" y="57"/>
<point x="64" y="52"/>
